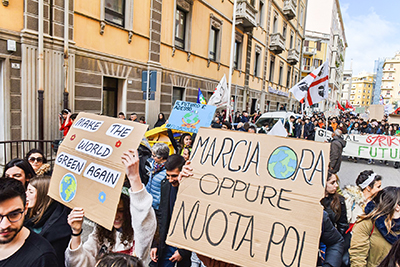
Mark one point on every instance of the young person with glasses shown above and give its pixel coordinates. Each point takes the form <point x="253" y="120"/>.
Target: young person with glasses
<point x="18" y="245"/>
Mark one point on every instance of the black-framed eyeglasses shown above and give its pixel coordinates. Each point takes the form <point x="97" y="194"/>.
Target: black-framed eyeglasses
<point x="33" y="159"/>
<point x="12" y="217"/>
<point x="154" y="156"/>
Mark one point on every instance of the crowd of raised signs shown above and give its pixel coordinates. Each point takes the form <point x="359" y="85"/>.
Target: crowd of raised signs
<point x="360" y="227"/>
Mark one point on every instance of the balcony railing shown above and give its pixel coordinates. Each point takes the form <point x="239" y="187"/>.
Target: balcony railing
<point x="289" y="9"/>
<point x="245" y="14"/>
<point x="277" y="44"/>
<point x="389" y="69"/>
<point x="388" y="78"/>
<point x="387" y="87"/>
<point x="293" y="56"/>
<point x="308" y="68"/>
<point x="309" y="50"/>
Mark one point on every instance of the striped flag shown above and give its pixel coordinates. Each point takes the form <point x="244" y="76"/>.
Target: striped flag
<point x="319" y="88"/>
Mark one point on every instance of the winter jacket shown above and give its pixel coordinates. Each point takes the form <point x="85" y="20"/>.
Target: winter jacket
<point x="163" y="227"/>
<point x="355" y="202"/>
<point x="334" y="243"/>
<point x="53" y="226"/>
<point x="154" y="184"/>
<point x="371" y="240"/>
<point x="144" y="227"/>
<point x="335" y="156"/>
<point x="309" y="131"/>
<point x="340" y="222"/>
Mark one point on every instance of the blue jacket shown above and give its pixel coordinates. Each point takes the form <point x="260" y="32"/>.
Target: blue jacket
<point x="154" y="184"/>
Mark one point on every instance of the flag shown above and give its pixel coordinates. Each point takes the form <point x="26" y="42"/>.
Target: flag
<point x="200" y="98"/>
<point x="300" y="90"/>
<point x="340" y="106"/>
<point x="349" y="106"/>
<point x="220" y="96"/>
<point x="381" y="100"/>
<point x="319" y="88"/>
<point x="278" y="129"/>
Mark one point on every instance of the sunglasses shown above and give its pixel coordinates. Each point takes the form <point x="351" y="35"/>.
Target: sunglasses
<point x="33" y="159"/>
<point x="154" y="156"/>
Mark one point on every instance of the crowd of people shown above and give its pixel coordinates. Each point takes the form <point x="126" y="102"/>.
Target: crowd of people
<point x="360" y="227"/>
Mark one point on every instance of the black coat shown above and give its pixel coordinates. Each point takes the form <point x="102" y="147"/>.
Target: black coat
<point x="340" y="222"/>
<point x="163" y="227"/>
<point x="334" y="243"/>
<point x="54" y="227"/>
<point x="335" y="155"/>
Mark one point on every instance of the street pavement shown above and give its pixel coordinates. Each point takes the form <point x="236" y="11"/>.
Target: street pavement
<point x="349" y="172"/>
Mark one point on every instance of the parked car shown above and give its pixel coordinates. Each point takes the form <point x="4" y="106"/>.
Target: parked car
<point x="270" y="118"/>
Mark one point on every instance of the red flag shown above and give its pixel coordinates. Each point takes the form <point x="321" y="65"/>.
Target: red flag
<point x="340" y="106"/>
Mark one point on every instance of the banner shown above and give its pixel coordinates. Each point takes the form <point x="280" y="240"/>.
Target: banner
<point x="88" y="171"/>
<point x="369" y="146"/>
<point x="189" y="117"/>
<point x="253" y="198"/>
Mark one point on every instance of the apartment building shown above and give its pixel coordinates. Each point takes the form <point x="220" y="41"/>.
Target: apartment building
<point x="390" y="82"/>
<point x="362" y="86"/>
<point x="103" y="56"/>
<point x="346" y="86"/>
<point x="325" y="31"/>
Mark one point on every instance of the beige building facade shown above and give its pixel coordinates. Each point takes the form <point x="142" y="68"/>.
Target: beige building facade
<point x="115" y="46"/>
<point x="361" y="90"/>
<point x="325" y="27"/>
<point x="390" y="86"/>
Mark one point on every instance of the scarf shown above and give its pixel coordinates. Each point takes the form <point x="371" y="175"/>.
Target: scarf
<point x="380" y="225"/>
<point x="157" y="167"/>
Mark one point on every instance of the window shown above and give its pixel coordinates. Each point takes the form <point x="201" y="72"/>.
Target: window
<point x="177" y="94"/>
<point x="275" y="24"/>
<point x="363" y="102"/>
<point x="295" y="80"/>
<point x="213" y="43"/>
<point x="180" y="28"/>
<point x="114" y="11"/>
<point x="291" y="39"/>
<point x="215" y="39"/>
<point x="284" y="31"/>
<point x="317" y="63"/>
<point x="261" y="14"/>
<point x="306" y="43"/>
<point x="280" y="73"/>
<point x="301" y="15"/>
<point x="271" y="68"/>
<point x="358" y="96"/>
<point x="289" y="70"/>
<point x="318" y="45"/>
<point x="110" y="97"/>
<point x="257" y="64"/>
<point x="236" y="56"/>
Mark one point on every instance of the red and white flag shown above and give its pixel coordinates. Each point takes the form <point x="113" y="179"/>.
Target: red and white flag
<point x="220" y="96"/>
<point x="319" y="88"/>
<point x="300" y="90"/>
<point x="340" y="106"/>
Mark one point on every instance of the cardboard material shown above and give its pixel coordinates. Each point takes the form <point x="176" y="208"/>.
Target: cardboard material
<point x="88" y="171"/>
<point x="369" y="146"/>
<point x="253" y="199"/>
<point x="376" y="112"/>
<point x="189" y="117"/>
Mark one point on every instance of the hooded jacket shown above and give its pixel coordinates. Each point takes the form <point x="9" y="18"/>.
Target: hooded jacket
<point x="335" y="156"/>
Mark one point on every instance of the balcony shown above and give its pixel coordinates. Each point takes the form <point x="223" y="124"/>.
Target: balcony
<point x="245" y="14"/>
<point x="389" y="69"/>
<point x="277" y="44"/>
<point x="387" y="96"/>
<point x="309" y="50"/>
<point x="289" y="9"/>
<point x="388" y="78"/>
<point x="387" y="87"/>
<point x="307" y="68"/>
<point x="293" y="56"/>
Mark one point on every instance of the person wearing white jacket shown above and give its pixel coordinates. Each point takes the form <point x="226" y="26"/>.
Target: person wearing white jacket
<point x="134" y="224"/>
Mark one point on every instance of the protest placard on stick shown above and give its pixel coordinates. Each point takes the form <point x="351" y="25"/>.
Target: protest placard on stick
<point x="189" y="117"/>
<point x="88" y="171"/>
<point x="253" y="199"/>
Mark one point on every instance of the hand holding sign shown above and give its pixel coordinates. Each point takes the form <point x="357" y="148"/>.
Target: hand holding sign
<point x="131" y="161"/>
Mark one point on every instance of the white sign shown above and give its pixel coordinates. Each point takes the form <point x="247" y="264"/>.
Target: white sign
<point x="119" y="130"/>
<point x="102" y="174"/>
<point x="94" y="149"/>
<point x="71" y="163"/>
<point x="86" y="124"/>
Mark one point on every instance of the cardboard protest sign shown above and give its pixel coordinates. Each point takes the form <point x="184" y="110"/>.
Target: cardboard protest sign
<point x="376" y="112"/>
<point x="88" y="170"/>
<point x="332" y="113"/>
<point x="189" y="117"/>
<point x="253" y="198"/>
<point x="369" y="146"/>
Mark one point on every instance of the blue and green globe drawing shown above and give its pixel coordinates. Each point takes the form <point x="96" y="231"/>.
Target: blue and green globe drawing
<point x="282" y="163"/>
<point x="191" y="118"/>
<point x="68" y="187"/>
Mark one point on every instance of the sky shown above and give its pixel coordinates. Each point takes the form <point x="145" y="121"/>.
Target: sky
<point x="372" y="31"/>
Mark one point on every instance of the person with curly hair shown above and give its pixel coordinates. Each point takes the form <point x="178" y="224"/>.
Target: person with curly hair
<point x="133" y="229"/>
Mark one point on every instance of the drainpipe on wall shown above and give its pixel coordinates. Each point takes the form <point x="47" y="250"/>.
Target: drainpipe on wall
<point x="66" y="54"/>
<point x="40" y="73"/>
